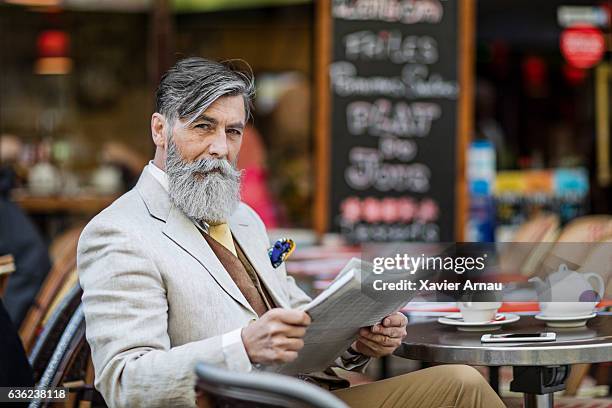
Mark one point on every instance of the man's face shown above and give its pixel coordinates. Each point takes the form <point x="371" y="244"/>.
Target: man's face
<point x="217" y="133"/>
<point x="200" y="162"/>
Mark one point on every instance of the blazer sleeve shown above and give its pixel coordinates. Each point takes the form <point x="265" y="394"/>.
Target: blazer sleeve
<point x="125" y="307"/>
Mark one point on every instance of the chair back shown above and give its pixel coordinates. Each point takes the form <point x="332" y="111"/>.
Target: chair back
<point x="589" y="228"/>
<point x="67" y="354"/>
<point x="530" y="244"/>
<point x="226" y="389"/>
<point x="576" y="241"/>
<point x="64" y="242"/>
<point x="52" y="331"/>
<point x="64" y="264"/>
<point x="7" y="266"/>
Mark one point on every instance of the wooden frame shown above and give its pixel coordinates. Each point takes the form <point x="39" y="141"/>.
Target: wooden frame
<point x="465" y="109"/>
<point x="603" y="82"/>
<point x="322" y="111"/>
<point x="322" y="107"/>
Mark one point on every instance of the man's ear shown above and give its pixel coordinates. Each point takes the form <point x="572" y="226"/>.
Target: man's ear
<point x="159" y="129"/>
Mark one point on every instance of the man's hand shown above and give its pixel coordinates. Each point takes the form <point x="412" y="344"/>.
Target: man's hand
<point x="382" y="339"/>
<point x="276" y="337"/>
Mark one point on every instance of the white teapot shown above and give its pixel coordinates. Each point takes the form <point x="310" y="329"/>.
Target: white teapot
<point x="107" y="180"/>
<point x="568" y="293"/>
<point x="44" y="179"/>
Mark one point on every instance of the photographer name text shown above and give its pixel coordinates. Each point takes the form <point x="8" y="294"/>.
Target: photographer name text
<point x="428" y="285"/>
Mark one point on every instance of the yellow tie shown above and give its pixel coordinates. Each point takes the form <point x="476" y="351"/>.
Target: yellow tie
<point x="222" y="234"/>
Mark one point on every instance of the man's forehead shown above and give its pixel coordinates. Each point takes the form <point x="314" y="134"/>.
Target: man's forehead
<point x="232" y="113"/>
<point x="229" y="107"/>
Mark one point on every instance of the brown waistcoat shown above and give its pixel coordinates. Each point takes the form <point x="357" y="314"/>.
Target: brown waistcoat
<point x="243" y="274"/>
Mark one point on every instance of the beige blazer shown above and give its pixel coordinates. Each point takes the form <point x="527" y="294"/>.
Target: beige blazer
<point x="157" y="300"/>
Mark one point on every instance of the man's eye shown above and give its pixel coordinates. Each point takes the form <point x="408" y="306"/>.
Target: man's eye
<point x="204" y="126"/>
<point x="235" y="132"/>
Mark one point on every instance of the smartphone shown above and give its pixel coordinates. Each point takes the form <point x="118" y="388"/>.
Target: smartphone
<point x="518" y="337"/>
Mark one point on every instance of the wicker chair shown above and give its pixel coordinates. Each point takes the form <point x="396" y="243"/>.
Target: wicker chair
<point x="52" y="331"/>
<point x="64" y="268"/>
<point x="65" y="357"/>
<point x="220" y="388"/>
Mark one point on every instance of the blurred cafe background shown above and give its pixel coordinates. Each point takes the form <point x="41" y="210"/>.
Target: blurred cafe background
<point x="486" y="121"/>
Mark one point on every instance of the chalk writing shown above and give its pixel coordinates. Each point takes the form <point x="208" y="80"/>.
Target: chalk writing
<point x="368" y="170"/>
<point x="403" y="11"/>
<point x="384" y="117"/>
<point x="391" y="45"/>
<point x="415" y="82"/>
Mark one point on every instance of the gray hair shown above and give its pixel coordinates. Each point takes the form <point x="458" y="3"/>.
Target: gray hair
<point x="188" y="88"/>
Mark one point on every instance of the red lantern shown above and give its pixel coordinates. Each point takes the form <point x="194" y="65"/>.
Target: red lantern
<point x="53" y="48"/>
<point x="53" y="43"/>
<point x="582" y="46"/>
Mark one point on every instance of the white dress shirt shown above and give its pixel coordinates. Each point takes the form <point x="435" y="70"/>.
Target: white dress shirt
<point x="159" y="175"/>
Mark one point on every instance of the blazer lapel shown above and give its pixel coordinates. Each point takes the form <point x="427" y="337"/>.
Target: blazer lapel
<point x="185" y="234"/>
<point x="153" y="195"/>
<point x="257" y="254"/>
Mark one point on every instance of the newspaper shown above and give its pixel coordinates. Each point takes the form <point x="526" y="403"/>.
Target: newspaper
<point x="337" y="315"/>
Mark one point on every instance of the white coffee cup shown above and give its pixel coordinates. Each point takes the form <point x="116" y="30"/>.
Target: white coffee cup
<point x="478" y="312"/>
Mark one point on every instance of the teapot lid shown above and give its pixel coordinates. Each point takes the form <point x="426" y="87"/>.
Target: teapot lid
<point x="563" y="268"/>
<point x="561" y="273"/>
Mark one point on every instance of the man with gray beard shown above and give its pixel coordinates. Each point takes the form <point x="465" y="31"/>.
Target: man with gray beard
<point x="207" y="190"/>
<point x="176" y="271"/>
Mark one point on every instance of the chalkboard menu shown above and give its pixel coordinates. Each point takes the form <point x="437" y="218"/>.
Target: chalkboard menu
<point x="394" y="91"/>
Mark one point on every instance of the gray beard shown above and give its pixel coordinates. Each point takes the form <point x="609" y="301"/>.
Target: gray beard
<point x="204" y="190"/>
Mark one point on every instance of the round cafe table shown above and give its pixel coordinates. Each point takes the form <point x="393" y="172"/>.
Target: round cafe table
<point x="539" y="369"/>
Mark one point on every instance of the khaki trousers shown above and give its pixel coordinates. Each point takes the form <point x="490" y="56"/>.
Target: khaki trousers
<point x="456" y="386"/>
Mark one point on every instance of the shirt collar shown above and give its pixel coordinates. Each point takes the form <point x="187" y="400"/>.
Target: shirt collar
<point x="159" y="175"/>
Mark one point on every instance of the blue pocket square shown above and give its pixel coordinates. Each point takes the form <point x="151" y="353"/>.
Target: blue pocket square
<point x="280" y="251"/>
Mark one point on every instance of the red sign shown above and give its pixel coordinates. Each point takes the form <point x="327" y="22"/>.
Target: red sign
<point x="582" y="46"/>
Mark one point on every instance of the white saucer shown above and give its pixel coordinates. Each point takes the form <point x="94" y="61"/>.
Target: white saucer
<point x="455" y="319"/>
<point x="565" y="321"/>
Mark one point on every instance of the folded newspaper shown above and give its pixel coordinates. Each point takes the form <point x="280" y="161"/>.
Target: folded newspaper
<point x="337" y="315"/>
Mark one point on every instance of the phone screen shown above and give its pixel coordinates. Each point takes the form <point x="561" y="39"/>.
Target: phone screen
<point x="517" y="335"/>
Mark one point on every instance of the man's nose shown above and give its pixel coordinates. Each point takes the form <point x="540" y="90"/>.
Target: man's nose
<point x="218" y="147"/>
